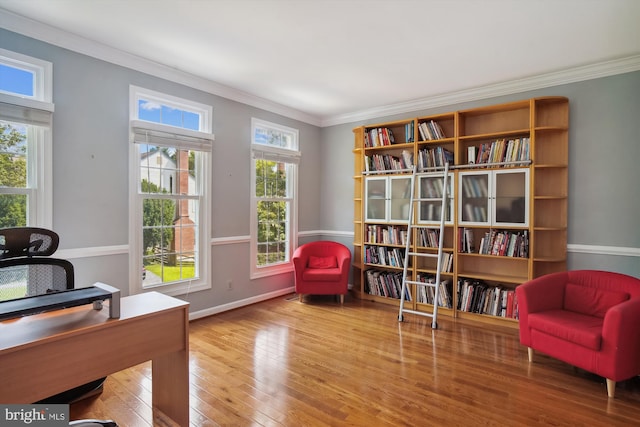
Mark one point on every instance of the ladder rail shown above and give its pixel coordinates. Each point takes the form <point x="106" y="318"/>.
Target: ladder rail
<point x="409" y="254"/>
<point x="405" y="268"/>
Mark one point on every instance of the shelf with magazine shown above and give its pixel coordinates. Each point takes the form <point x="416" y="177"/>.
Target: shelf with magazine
<point x="436" y="142"/>
<point x="384" y="285"/>
<point x="425" y="295"/>
<point x="437" y="128"/>
<point x="386" y="256"/>
<point x="389" y="134"/>
<point x="383" y="260"/>
<point x="487" y="299"/>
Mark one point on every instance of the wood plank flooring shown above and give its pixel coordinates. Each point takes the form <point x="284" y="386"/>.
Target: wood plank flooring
<point x="285" y="363"/>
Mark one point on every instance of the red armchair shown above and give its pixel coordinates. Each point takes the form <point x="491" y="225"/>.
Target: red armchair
<point x="586" y="318"/>
<point x="322" y="268"/>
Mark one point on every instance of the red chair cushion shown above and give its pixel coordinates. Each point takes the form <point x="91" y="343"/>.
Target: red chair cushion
<point x="323" y="261"/>
<point x="591" y="301"/>
<point x="569" y="326"/>
<point x="322" y="274"/>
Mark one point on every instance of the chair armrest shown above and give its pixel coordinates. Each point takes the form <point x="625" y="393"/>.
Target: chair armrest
<point x="300" y="260"/>
<point x="621" y="335"/>
<point x="541" y="294"/>
<point x="344" y="263"/>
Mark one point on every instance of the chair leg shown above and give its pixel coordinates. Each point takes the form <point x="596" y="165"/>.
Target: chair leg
<point x="342" y="299"/>
<point x="530" y="353"/>
<point x="611" y="388"/>
<point x="300" y="297"/>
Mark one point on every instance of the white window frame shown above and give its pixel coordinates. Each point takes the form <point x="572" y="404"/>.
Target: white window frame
<point x="290" y="155"/>
<point x="36" y="112"/>
<point x="198" y="140"/>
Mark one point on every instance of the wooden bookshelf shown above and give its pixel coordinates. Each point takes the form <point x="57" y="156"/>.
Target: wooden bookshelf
<point x="521" y="193"/>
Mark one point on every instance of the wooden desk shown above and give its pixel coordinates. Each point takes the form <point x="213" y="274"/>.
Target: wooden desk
<point x="45" y="354"/>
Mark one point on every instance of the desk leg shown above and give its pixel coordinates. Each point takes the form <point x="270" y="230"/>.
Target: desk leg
<point x="170" y="386"/>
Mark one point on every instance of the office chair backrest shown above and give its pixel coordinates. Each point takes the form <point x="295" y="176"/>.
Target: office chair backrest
<point x="25" y="269"/>
<point x="27" y="242"/>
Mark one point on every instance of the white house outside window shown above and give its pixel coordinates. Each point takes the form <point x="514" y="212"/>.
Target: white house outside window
<point x="274" y="177"/>
<point x="25" y="140"/>
<point x="170" y="164"/>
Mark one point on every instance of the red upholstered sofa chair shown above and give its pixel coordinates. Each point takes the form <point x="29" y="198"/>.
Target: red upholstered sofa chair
<point x="322" y="268"/>
<point x="587" y="318"/>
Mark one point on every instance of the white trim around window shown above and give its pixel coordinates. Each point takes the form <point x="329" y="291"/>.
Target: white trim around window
<point x="36" y="114"/>
<point x="146" y="134"/>
<point x="288" y="157"/>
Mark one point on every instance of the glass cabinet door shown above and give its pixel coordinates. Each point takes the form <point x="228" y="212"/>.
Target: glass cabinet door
<point x="400" y="198"/>
<point x="474" y="198"/>
<point x="376" y="198"/>
<point x="430" y="192"/>
<point x="511" y="198"/>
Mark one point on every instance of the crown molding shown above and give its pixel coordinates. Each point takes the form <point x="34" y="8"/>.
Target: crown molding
<point x="57" y="37"/>
<point x="73" y="42"/>
<point x="572" y="75"/>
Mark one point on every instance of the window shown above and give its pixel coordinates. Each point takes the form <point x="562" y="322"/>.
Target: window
<point x="170" y="164"/>
<point x="25" y="141"/>
<point x="274" y="177"/>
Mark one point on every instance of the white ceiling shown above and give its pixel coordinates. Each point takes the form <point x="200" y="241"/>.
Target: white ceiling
<point x="334" y="58"/>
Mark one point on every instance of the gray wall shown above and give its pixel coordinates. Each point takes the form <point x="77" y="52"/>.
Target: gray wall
<point x="604" y="171"/>
<point x="90" y="173"/>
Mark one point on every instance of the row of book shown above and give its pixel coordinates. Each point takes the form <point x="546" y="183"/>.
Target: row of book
<point x="378" y="137"/>
<point x="466" y="241"/>
<point x="505" y="243"/>
<point x="495" y="242"/>
<point x="435" y="157"/>
<point x="447" y="262"/>
<point x="385" y="284"/>
<point x="408" y="132"/>
<point x="386" y="234"/>
<point x="382" y="255"/>
<point x="429" y="237"/>
<point x="475" y="296"/>
<point x="430" y="131"/>
<point x="500" y="150"/>
<point x="388" y="162"/>
<point x="426" y="294"/>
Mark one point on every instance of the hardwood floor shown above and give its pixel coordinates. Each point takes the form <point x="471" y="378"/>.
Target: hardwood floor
<point x="286" y="363"/>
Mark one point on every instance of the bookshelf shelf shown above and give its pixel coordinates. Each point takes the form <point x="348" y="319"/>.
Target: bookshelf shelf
<point x="527" y="199"/>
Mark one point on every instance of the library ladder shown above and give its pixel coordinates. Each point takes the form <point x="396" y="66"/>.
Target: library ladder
<point x="409" y="255"/>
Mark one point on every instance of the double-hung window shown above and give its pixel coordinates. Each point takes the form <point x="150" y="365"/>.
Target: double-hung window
<point x="274" y="176"/>
<point x="25" y="141"/>
<point x="169" y="195"/>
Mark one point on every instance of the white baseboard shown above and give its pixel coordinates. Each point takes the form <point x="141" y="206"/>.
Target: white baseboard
<point x="240" y="303"/>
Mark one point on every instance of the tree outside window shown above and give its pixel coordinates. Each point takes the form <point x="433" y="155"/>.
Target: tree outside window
<point x="13" y="176"/>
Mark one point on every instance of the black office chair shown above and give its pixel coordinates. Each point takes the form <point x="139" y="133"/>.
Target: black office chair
<point x="27" y="271"/>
